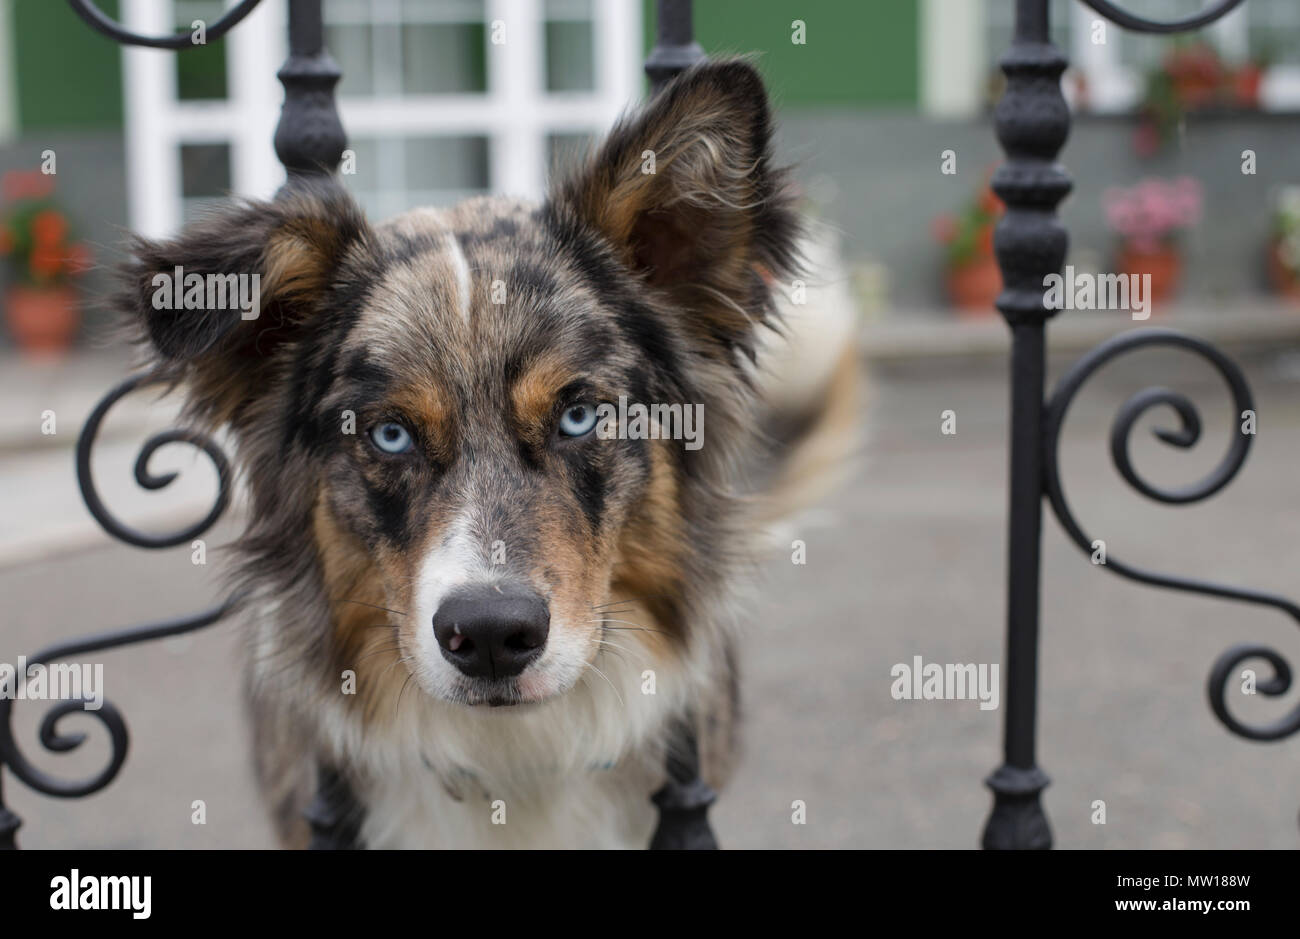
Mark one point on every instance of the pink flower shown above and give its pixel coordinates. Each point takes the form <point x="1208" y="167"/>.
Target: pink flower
<point x="1153" y="210"/>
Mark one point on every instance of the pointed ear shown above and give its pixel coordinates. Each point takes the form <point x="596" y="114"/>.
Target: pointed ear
<point x="685" y="193"/>
<point x="218" y="300"/>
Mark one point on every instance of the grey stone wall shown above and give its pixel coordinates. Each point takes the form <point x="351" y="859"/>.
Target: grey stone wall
<point x="877" y="177"/>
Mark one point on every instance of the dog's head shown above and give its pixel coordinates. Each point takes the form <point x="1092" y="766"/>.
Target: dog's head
<point x="423" y="408"/>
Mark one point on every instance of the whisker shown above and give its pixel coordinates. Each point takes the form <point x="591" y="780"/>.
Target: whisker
<point x="630" y="625"/>
<point x="375" y="607"/>
<point x="373" y="652"/>
<point x="402" y="659"/>
<point x="610" y="683"/>
<point x="614" y="649"/>
<point x="397" y="710"/>
<point x="652" y="596"/>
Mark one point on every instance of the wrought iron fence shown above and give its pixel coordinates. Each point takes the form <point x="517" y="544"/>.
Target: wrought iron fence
<point x="1032" y="122"/>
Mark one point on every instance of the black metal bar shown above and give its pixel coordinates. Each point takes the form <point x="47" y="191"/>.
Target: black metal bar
<point x="9" y="822"/>
<point x="675" y="48"/>
<point x="334" y="816"/>
<point x="309" y="138"/>
<point x="1032" y="124"/>
<point x="685" y="798"/>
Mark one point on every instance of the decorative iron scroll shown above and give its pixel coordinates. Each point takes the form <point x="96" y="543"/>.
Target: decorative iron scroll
<point x="11" y="757"/>
<point x="1032" y="122"/>
<point x="143" y="477"/>
<point x="1184" y="437"/>
<point x="114" y="30"/>
<point x="1138" y="24"/>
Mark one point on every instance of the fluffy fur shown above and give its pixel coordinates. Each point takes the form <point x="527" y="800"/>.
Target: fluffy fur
<point x="475" y="327"/>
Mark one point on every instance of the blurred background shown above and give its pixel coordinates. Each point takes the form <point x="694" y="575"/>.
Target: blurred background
<point x="1183" y="152"/>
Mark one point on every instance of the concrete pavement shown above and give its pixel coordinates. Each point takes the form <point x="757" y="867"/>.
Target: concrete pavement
<point x="906" y="560"/>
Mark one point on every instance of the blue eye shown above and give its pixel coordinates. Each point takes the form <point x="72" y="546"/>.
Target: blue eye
<point x="391" y="437"/>
<point x="578" y="420"/>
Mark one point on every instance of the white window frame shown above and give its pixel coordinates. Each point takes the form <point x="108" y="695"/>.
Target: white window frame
<point x="516" y="114"/>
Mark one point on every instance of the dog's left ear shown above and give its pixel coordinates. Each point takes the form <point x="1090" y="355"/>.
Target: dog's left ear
<point x="685" y="193"/>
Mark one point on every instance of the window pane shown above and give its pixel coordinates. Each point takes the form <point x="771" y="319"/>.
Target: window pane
<point x="570" y="46"/>
<point x="1273" y="31"/>
<point x="444" y="58"/>
<point x="351" y="47"/>
<point x="455" y="164"/>
<point x="365" y="165"/>
<point x="394" y="174"/>
<point x="200" y="69"/>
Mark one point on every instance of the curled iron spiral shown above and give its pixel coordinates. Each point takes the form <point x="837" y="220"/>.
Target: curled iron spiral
<point x="107" y="714"/>
<point x="143" y="476"/>
<point x="1139" y="24"/>
<point x="114" y="30"/>
<point x="1186" y="436"/>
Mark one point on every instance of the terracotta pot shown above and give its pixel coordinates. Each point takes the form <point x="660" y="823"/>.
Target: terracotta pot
<point x="1245" y="85"/>
<point x="1165" y="265"/>
<point x="1283" y="279"/>
<point x="973" y="287"/>
<point x="42" y="320"/>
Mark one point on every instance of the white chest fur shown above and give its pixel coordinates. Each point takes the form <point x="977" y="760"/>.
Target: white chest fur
<point x="593" y="809"/>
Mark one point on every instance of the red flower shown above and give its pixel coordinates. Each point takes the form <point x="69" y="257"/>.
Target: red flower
<point x="49" y="227"/>
<point x="47" y="261"/>
<point x="79" y="259"/>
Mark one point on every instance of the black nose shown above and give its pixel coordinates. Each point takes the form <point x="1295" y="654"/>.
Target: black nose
<point x="490" y="631"/>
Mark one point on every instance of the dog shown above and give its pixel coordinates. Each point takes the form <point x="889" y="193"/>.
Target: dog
<point x="480" y="604"/>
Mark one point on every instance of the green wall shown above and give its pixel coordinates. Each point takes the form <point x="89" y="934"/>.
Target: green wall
<point x="67" y="74"/>
<point x="857" y="52"/>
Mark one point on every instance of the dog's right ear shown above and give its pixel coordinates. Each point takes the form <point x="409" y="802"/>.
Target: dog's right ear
<point x="215" y="327"/>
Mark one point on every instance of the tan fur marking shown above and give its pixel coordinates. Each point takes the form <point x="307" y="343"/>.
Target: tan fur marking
<point x="432" y="407"/>
<point x="533" y="395"/>
<point x="648" y="558"/>
<point x="356" y="596"/>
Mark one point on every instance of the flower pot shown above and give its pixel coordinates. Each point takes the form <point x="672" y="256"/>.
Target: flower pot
<point x="973" y="287"/>
<point x="42" y="320"/>
<point x="1246" y="84"/>
<point x="1164" y="264"/>
<point x="1283" y="279"/>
